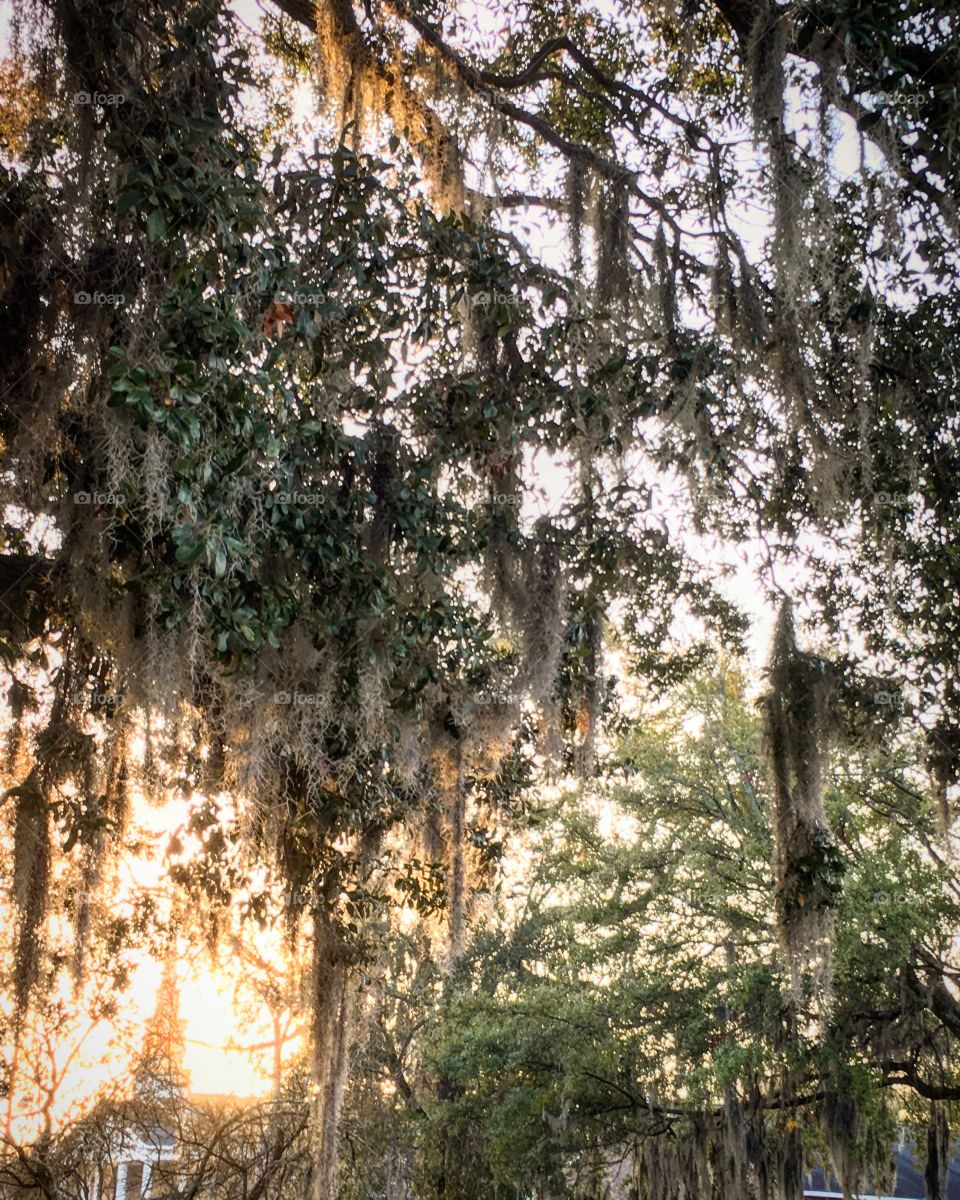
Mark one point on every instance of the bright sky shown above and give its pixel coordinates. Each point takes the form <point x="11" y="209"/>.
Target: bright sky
<point x="219" y="1005"/>
<point x="216" y="1030"/>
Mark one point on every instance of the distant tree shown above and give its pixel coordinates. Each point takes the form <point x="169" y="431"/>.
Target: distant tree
<point x="259" y="1151"/>
<point x="159" y="1072"/>
<point x="634" y="1015"/>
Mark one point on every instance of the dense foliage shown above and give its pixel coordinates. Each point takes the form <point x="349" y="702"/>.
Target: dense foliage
<point x="381" y="390"/>
<point x="632" y="1017"/>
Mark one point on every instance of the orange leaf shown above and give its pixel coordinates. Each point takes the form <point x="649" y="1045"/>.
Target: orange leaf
<point x="277" y="315"/>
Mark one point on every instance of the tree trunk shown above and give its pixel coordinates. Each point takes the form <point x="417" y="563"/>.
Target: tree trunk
<point x="333" y="1038"/>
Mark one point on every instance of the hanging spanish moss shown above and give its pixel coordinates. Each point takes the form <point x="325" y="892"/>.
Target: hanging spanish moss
<point x="665" y="287"/>
<point x="60" y="772"/>
<point x="740" y="1151"/>
<point x="943" y="765"/>
<point x="21" y="701"/>
<point x="332" y="1005"/>
<point x="844" y="1132"/>
<point x="577" y="190"/>
<point x="31" y="882"/>
<point x="611" y="227"/>
<point x="361" y="89"/>
<point x="591" y="698"/>
<point x="937" y="1170"/>
<point x="808" y="865"/>
<point x="745" y="1147"/>
<point x="767" y="54"/>
<point x="457" y="888"/>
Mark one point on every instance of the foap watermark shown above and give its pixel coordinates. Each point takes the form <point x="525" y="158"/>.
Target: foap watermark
<point x="498" y="699"/>
<point x="494" y="300"/>
<point x="98" y="700"/>
<point x="311" y="699"/>
<point x="497" y="100"/>
<point x="284" y="297"/>
<point x="306" y="499"/>
<point x="110" y="299"/>
<point x="891" y="898"/>
<point x="286" y="493"/>
<point x="103" y="99"/>
<point x="891" y="500"/>
<point x="101" y="499"/>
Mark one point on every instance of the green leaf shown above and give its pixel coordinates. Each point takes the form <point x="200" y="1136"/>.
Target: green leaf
<point x="156" y="226"/>
<point x="189" y="551"/>
<point x="127" y="200"/>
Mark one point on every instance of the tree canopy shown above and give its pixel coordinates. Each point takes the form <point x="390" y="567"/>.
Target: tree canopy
<point x="390" y="397"/>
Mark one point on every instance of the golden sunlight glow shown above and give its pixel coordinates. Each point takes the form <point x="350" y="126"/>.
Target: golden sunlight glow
<point x="215" y="1061"/>
<point x="83" y="1045"/>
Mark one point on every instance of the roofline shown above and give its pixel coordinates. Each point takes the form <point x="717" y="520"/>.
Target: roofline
<point x="813" y="1195"/>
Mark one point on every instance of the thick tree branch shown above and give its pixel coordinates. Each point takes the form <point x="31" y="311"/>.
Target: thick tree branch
<point x="27" y="594"/>
<point x="924" y="70"/>
<point x="902" y="1074"/>
<point x="479" y="83"/>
